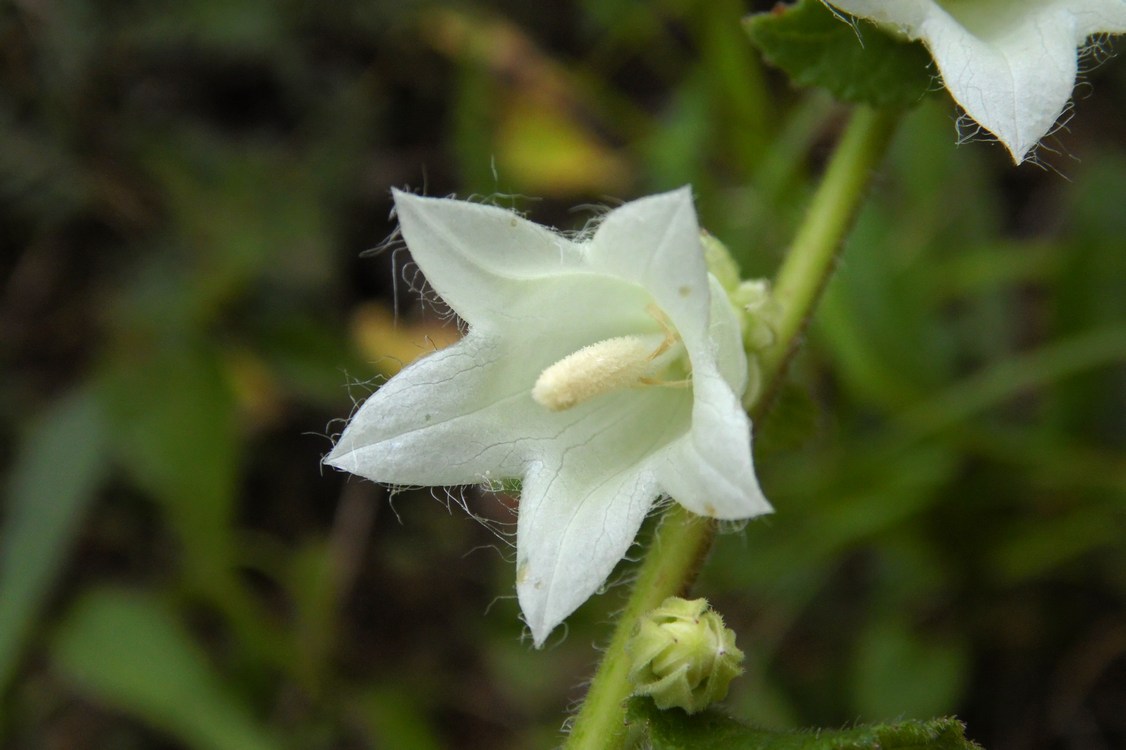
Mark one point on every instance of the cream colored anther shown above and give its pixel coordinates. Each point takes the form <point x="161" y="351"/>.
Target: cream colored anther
<point x="603" y="367"/>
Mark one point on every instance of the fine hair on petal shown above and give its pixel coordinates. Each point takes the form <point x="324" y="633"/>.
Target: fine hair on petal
<point x="336" y="425"/>
<point x="597" y="211"/>
<point x="969" y="130"/>
<point x="1095" y="52"/>
<point x="1061" y="125"/>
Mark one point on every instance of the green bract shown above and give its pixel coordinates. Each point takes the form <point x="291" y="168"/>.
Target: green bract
<point x="603" y="372"/>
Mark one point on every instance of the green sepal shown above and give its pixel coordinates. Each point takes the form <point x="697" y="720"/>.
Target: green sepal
<point x="676" y="730"/>
<point x="858" y="62"/>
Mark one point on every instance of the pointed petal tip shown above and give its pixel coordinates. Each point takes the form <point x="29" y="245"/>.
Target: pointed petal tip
<point x="332" y="460"/>
<point x="539" y="637"/>
<point x="1020" y="155"/>
<point x="754" y="507"/>
<point x="541" y="627"/>
<point x="411" y="200"/>
<point x="401" y="197"/>
<point x="338" y="455"/>
<point x="536" y="622"/>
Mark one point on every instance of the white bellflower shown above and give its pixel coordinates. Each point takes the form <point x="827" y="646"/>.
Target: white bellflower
<point x="604" y="373"/>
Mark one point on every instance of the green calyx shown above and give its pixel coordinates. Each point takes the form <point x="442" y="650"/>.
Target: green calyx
<point x="757" y="308"/>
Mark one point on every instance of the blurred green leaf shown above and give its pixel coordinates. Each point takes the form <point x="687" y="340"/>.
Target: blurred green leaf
<point x="1033" y="547"/>
<point x="53" y="480"/>
<point x="676" y="730"/>
<point x="473" y="125"/>
<point x="879" y="321"/>
<point x="1010" y="377"/>
<point x="544" y="149"/>
<point x="395" y="719"/>
<point x="37" y="176"/>
<point x="993" y="269"/>
<point x="861" y="499"/>
<point x="313" y="587"/>
<point x="249" y="26"/>
<point x="173" y="426"/>
<point x="1048" y="460"/>
<point x="308" y="357"/>
<point x="675" y="153"/>
<point x="1088" y="292"/>
<point x="791" y="422"/>
<point x="857" y="62"/>
<point x="243" y="214"/>
<point x="126" y="650"/>
<point x="743" y="108"/>
<point x="901" y="672"/>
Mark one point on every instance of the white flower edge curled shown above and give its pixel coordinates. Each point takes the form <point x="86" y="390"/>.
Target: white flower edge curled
<point x="1010" y="64"/>
<point x="655" y="409"/>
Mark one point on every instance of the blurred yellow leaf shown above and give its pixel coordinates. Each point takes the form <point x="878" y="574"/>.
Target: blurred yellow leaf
<point x="258" y="396"/>
<point x="392" y="345"/>
<point x="544" y="136"/>
<point x="545" y="150"/>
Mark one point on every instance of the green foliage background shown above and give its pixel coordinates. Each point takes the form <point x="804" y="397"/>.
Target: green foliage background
<point x="185" y="317"/>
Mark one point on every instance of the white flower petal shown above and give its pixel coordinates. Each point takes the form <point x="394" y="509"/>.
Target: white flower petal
<point x="1011" y="64"/>
<point x="709" y="470"/>
<point x="567" y="555"/>
<point x="1012" y="70"/>
<point x="1099" y="17"/>
<point x="581" y="506"/>
<point x="655" y="242"/>
<point x="474" y="255"/>
<point x="440" y="421"/>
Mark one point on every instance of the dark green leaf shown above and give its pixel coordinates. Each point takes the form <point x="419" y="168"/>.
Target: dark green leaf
<point x="676" y="730"/>
<point x="174" y="430"/>
<point x="127" y="651"/>
<point x="54" y="478"/>
<point x="857" y="62"/>
<point x="901" y="671"/>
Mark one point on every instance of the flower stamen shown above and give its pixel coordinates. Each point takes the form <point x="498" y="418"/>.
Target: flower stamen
<point x="607" y="366"/>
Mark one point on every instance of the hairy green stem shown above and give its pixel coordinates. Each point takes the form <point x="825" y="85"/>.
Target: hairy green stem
<point x="813" y="254"/>
<point x="675" y="553"/>
<point x="682" y="540"/>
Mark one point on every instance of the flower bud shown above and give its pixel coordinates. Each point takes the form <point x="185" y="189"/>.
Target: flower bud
<point x="721" y="264"/>
<point x="683" y="656"/>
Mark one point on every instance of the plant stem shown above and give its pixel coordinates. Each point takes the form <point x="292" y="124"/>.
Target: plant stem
<point x="675" y="553"/>
<point x="812" y="256"/>
<point x="682" y="540"/>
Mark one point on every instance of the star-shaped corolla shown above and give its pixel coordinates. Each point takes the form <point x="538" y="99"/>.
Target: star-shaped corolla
<point x="1010" y="64"/>
<point x="603" y="372"/>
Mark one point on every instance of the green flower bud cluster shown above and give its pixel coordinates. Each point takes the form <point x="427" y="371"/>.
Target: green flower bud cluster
<point x="683" y="656"/>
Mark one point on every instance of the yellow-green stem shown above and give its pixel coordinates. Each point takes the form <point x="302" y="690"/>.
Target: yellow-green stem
<point x="812" y="256"/>
<point x="682" y="539"/>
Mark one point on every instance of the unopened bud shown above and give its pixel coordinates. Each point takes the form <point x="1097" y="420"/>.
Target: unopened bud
<point x="683" y="656"/>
